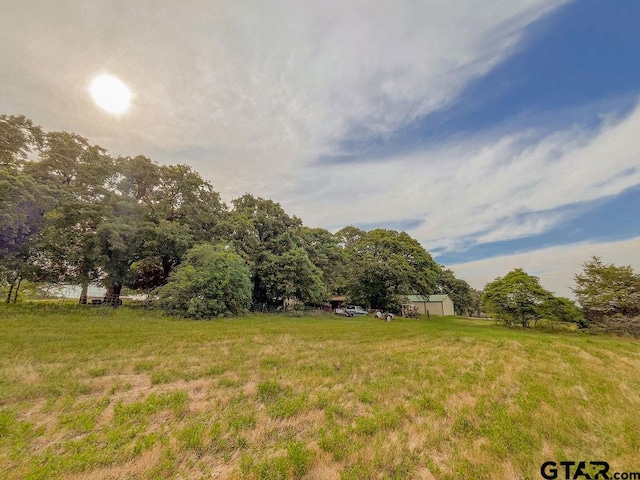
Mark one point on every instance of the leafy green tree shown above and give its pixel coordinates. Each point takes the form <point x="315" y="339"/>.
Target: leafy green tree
<point x="345" y="239"/>
<point x="324" y="253"/>
<point x="385" y="265"/>
<point x="212" y="281"/>
<point x="516" y="298"/>
<point x="80" y="177"/>
<point x="458" y="290"/>
<point x="74" y="167"/>
<point x="182" y="196"/>
<point x="267" y="217"/>
<point x="476" y="307"/>
<point x="293" y="275"/>
<point x="23" y="202"/>
<point x="140" y="178"/>
<point x="261" y="232"/>
<point x="609" y="296"/>
<point x="120" y="242"/>
<point x="347" y="236"/>
<point x="607" y="289"/>
<point x="563" y="310"/>
<point x="19" y="138"/>
<point x="68" y="248"/>
<point x="162" y="248"/>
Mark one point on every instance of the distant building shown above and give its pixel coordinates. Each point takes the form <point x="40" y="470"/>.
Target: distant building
<point x="337" y="301"/>
<point x="432" y="304"/>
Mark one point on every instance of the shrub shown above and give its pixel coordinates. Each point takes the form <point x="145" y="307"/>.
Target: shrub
<point x="211" y="281"/>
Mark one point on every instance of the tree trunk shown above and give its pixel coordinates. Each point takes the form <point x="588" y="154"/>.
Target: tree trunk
<point x="15" y="294"/>
<point x="84" y="294"/>
<point x="13" y="282"/>
<point x="112" y="297"/>
<point x="166" y="268"/>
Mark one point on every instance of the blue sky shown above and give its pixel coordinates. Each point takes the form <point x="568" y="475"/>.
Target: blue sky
<point x="500" y="134"/>
<point x="572" y="66"/>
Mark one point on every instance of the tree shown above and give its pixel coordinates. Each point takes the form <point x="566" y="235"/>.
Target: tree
<point x="74" y="167"/>
<point x="119" y="241"/>
<point x="140" y="178"/>
<point x="323" y="252"/>
<point x="260" y="231"/>
<point x="182" y="196"/>
<point x="476" y="307"/>
<point x="23" y="202"/>
<point x="293" y="275"/>
<point x="562" y="309"/>
<point x="163" y="247"/>
<point x="459" y="291"/>
<point x="347" y="236"/>
<point x="385" y="265"/>
<point x="68" y="248"/>
<point x="516" y="298"/>
<point x="610" y="296"/>
<point x="19" y="138"/>
<point x="212" y="281"/>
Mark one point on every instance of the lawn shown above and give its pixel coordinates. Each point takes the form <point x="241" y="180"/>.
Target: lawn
<point x="97" y="393"/>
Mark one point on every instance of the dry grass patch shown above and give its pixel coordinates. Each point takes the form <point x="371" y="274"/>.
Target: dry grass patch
<point x="98" y="393"/>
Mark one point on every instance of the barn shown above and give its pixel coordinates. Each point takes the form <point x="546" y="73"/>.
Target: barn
<point x="432" y="304"/>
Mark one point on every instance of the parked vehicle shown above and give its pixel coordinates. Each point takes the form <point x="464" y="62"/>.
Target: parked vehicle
<point x="351" y="311"/>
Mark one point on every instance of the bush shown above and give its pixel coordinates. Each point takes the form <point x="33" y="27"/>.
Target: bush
<point x="211" y="281"/>
<point x="610" y="297"/>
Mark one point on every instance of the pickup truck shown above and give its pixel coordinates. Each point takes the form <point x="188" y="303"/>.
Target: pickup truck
<point x="351" y="311"/>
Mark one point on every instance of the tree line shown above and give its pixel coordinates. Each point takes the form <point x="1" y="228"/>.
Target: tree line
<point x="72" y="214"/>
<point x="608" y="297"/>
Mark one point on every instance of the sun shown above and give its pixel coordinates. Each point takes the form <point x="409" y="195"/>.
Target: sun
<point x="110" y="94"/>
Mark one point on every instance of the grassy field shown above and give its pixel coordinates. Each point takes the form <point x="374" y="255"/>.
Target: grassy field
<point x="98" y="393"/>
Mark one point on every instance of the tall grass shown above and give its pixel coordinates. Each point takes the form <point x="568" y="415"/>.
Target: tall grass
<point x="103" y="393"/>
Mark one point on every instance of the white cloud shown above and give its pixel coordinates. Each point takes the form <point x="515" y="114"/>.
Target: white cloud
<point x="260" y="90"/>
<point x="482" y="189"/>
<point x="263" y="87"/>
<point x="554" y="266"/>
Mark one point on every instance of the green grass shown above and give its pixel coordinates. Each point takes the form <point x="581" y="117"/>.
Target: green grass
<point x="102" y="393"/>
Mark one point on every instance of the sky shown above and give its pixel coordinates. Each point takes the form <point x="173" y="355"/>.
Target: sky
<point x="499" y="134"/>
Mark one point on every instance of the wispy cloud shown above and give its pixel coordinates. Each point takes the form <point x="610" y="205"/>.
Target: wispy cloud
<point x="265" y="88"/>
<point x="482" y="189"/>
<point x="252" y="94"/>
<point x="555" y="266"/>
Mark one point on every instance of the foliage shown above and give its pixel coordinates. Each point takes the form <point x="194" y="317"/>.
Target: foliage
<point x="22" y="208"/>
<point x="73" y="214"/>
<point x="385" y="265"/>
<point x="459" y="291"/>
<point x="19" y="138"/>
<point x="292" y="275"/>
<point x="211" y="281"/>
<point x="275" y="246"/>
<point x="476" y="307"/>
<point x="607" y="289"/>
<point x="562" y="309"/>
<point x="610" y="296"/>
<point x="516" y="298"/>
<point x="325" y="254"/>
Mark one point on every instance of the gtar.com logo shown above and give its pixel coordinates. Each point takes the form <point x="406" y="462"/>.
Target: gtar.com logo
<point x="568" y="470"/>
<point x="575" y="470"/>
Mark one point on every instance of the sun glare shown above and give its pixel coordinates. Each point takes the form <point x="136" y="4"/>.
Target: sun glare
<point x="110" y="94"/>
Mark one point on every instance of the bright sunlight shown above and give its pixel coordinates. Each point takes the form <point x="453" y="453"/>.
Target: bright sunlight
<point x="110" y="94"/>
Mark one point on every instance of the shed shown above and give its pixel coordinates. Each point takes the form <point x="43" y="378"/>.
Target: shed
<point x="432" y="304"/>
<point x="337" y="301"/>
